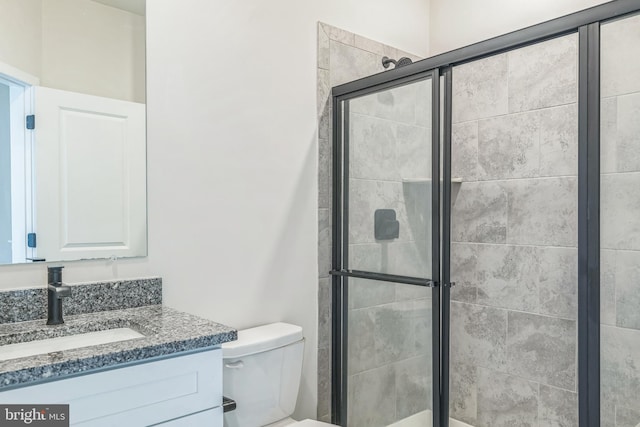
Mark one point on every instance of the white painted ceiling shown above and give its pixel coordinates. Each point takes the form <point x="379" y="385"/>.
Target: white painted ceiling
<point x="133" y="6"/>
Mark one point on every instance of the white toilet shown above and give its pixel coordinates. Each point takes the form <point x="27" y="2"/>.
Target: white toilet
<point x="262" y="371"/>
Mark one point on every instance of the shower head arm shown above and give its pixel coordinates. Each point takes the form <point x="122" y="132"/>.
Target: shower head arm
<point x="386" y="61"/>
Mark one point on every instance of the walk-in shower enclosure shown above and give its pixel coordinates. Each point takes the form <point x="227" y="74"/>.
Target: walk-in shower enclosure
<point x="486" y="232"/>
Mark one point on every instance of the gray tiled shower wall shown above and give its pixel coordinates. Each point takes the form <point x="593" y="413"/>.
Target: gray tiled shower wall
<point x="620" y="219"/>
<point x="343" y="57"/>
<point x="514" y="255"/>
<point x="514" y="238"/>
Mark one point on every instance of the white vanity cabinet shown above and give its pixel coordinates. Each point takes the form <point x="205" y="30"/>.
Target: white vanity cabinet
<point x="185" y="390"/>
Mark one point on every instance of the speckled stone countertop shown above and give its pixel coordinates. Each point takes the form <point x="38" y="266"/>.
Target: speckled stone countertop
<point x="166" y="332"/>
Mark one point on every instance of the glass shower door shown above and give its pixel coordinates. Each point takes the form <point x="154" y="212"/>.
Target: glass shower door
<point x="620" y="223"/>
<point x="388" y="256"/>
<point x="514" y="255"/>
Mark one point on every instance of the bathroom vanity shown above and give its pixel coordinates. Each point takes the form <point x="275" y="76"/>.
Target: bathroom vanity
<point x="128" y="365"/>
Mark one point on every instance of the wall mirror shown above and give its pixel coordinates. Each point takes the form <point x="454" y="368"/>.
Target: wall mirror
<point x="72" y="130"/>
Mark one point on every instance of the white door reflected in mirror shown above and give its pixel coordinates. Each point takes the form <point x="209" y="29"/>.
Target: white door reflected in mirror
<point x="90" y="198"/>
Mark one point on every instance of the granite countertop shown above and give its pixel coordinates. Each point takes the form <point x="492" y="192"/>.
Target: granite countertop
<point x="166" y="332"/>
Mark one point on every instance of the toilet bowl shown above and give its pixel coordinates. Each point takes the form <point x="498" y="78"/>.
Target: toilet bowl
<point x="262" y="371"/>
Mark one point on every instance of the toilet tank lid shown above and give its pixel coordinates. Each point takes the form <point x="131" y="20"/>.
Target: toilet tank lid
<point x="261" y="338"/>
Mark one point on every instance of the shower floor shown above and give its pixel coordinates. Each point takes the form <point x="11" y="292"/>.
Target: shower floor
<point x="424" y="419"/>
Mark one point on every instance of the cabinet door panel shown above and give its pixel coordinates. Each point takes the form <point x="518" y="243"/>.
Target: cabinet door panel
<point x="144" y="394"/>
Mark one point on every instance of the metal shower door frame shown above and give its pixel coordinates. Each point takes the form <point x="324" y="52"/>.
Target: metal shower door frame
<point x="586" y="24"/>
<point x="340" y="247"/>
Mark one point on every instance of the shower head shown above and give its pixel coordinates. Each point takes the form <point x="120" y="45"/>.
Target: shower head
<point x="399" y="63"/>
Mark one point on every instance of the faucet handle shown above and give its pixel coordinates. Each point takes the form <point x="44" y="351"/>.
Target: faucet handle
<point x="55" y="275"/>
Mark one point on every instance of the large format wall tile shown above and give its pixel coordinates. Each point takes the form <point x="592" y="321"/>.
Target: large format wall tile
<point x="620" y="365"/>
<point x="413" y="145"/>
<point x="558" y="283"/>
<point x="324" y="382"/>
<point x="323" y="100"/>
<point x="374" y="46"/>
<point x="361" y="349"/>
<point x="372" y="398"/>
<point x="618" y="38"/>
<point x="543" y="211"/>
<point x="608" y="135"/>
<point x="324" y="242"/>
<point x="620" y="204"/>
<point x="464" y="151"/>
<point x="544" y="74"/>
<point x="508" y="276"/>
<point x="410" y="292"/>
<point x="413" y="386"/>
<point x="542" y="349"/>
<point x="324" y="313"/>
<point x="506" y="401"/>
<point x="393" y="333"/>
<point x="463" y="392"/>
<point x="559" y="141"/>
<point x="607" y="411"/>
<point x="464" y="272"/>
<point x="479" y="213"/>
<point x="323" y="48"/>
<point x="626" y="417"/>
<point x="558" y="408"/>
<point x="388" y="333"/>
<point x="628" y="137"/>
<point x="478" y="335"/>
<point x="397" y="105"/>
<point x="369" y="293"/>
<point x="324" y="174"/>
<point x="424" y="101"/>
<point x="418" y="207"/>
<point x="410" y="258"/>
<point x="627" y="289"/>
<point x="479" y="89"/>
<point x="338" y="34"/>
<point x="422" y="325"/>
<point x="367" y="257"/>
<point x="608" y="287"/>
<point x="354" y="63"/>
<point x="508" y="147"/>
<point x="372" y="148"/>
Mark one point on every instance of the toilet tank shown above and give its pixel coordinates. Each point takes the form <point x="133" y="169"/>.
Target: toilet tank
<point x="262" y="371"/>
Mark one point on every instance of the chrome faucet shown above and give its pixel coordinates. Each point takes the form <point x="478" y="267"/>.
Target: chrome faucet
<point x="55" y="292"/>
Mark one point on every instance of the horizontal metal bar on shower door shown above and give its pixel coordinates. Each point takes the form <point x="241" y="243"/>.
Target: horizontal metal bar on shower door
<point x="368" y="90"/>
<point x="530" y="35"/>
<point x="416" y="281"/>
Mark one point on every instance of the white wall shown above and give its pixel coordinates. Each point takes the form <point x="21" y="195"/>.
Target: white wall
<point x="233" y="154"/>
<point x="232" y="157"/>
<point x="21" y="34"/>
<point x="76" y="45"/>
<point x="458" y="23"/>
<point x="91" y="48"/>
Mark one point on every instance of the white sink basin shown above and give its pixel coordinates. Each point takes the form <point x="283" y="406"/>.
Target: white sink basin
<point x="32" y="348"/>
